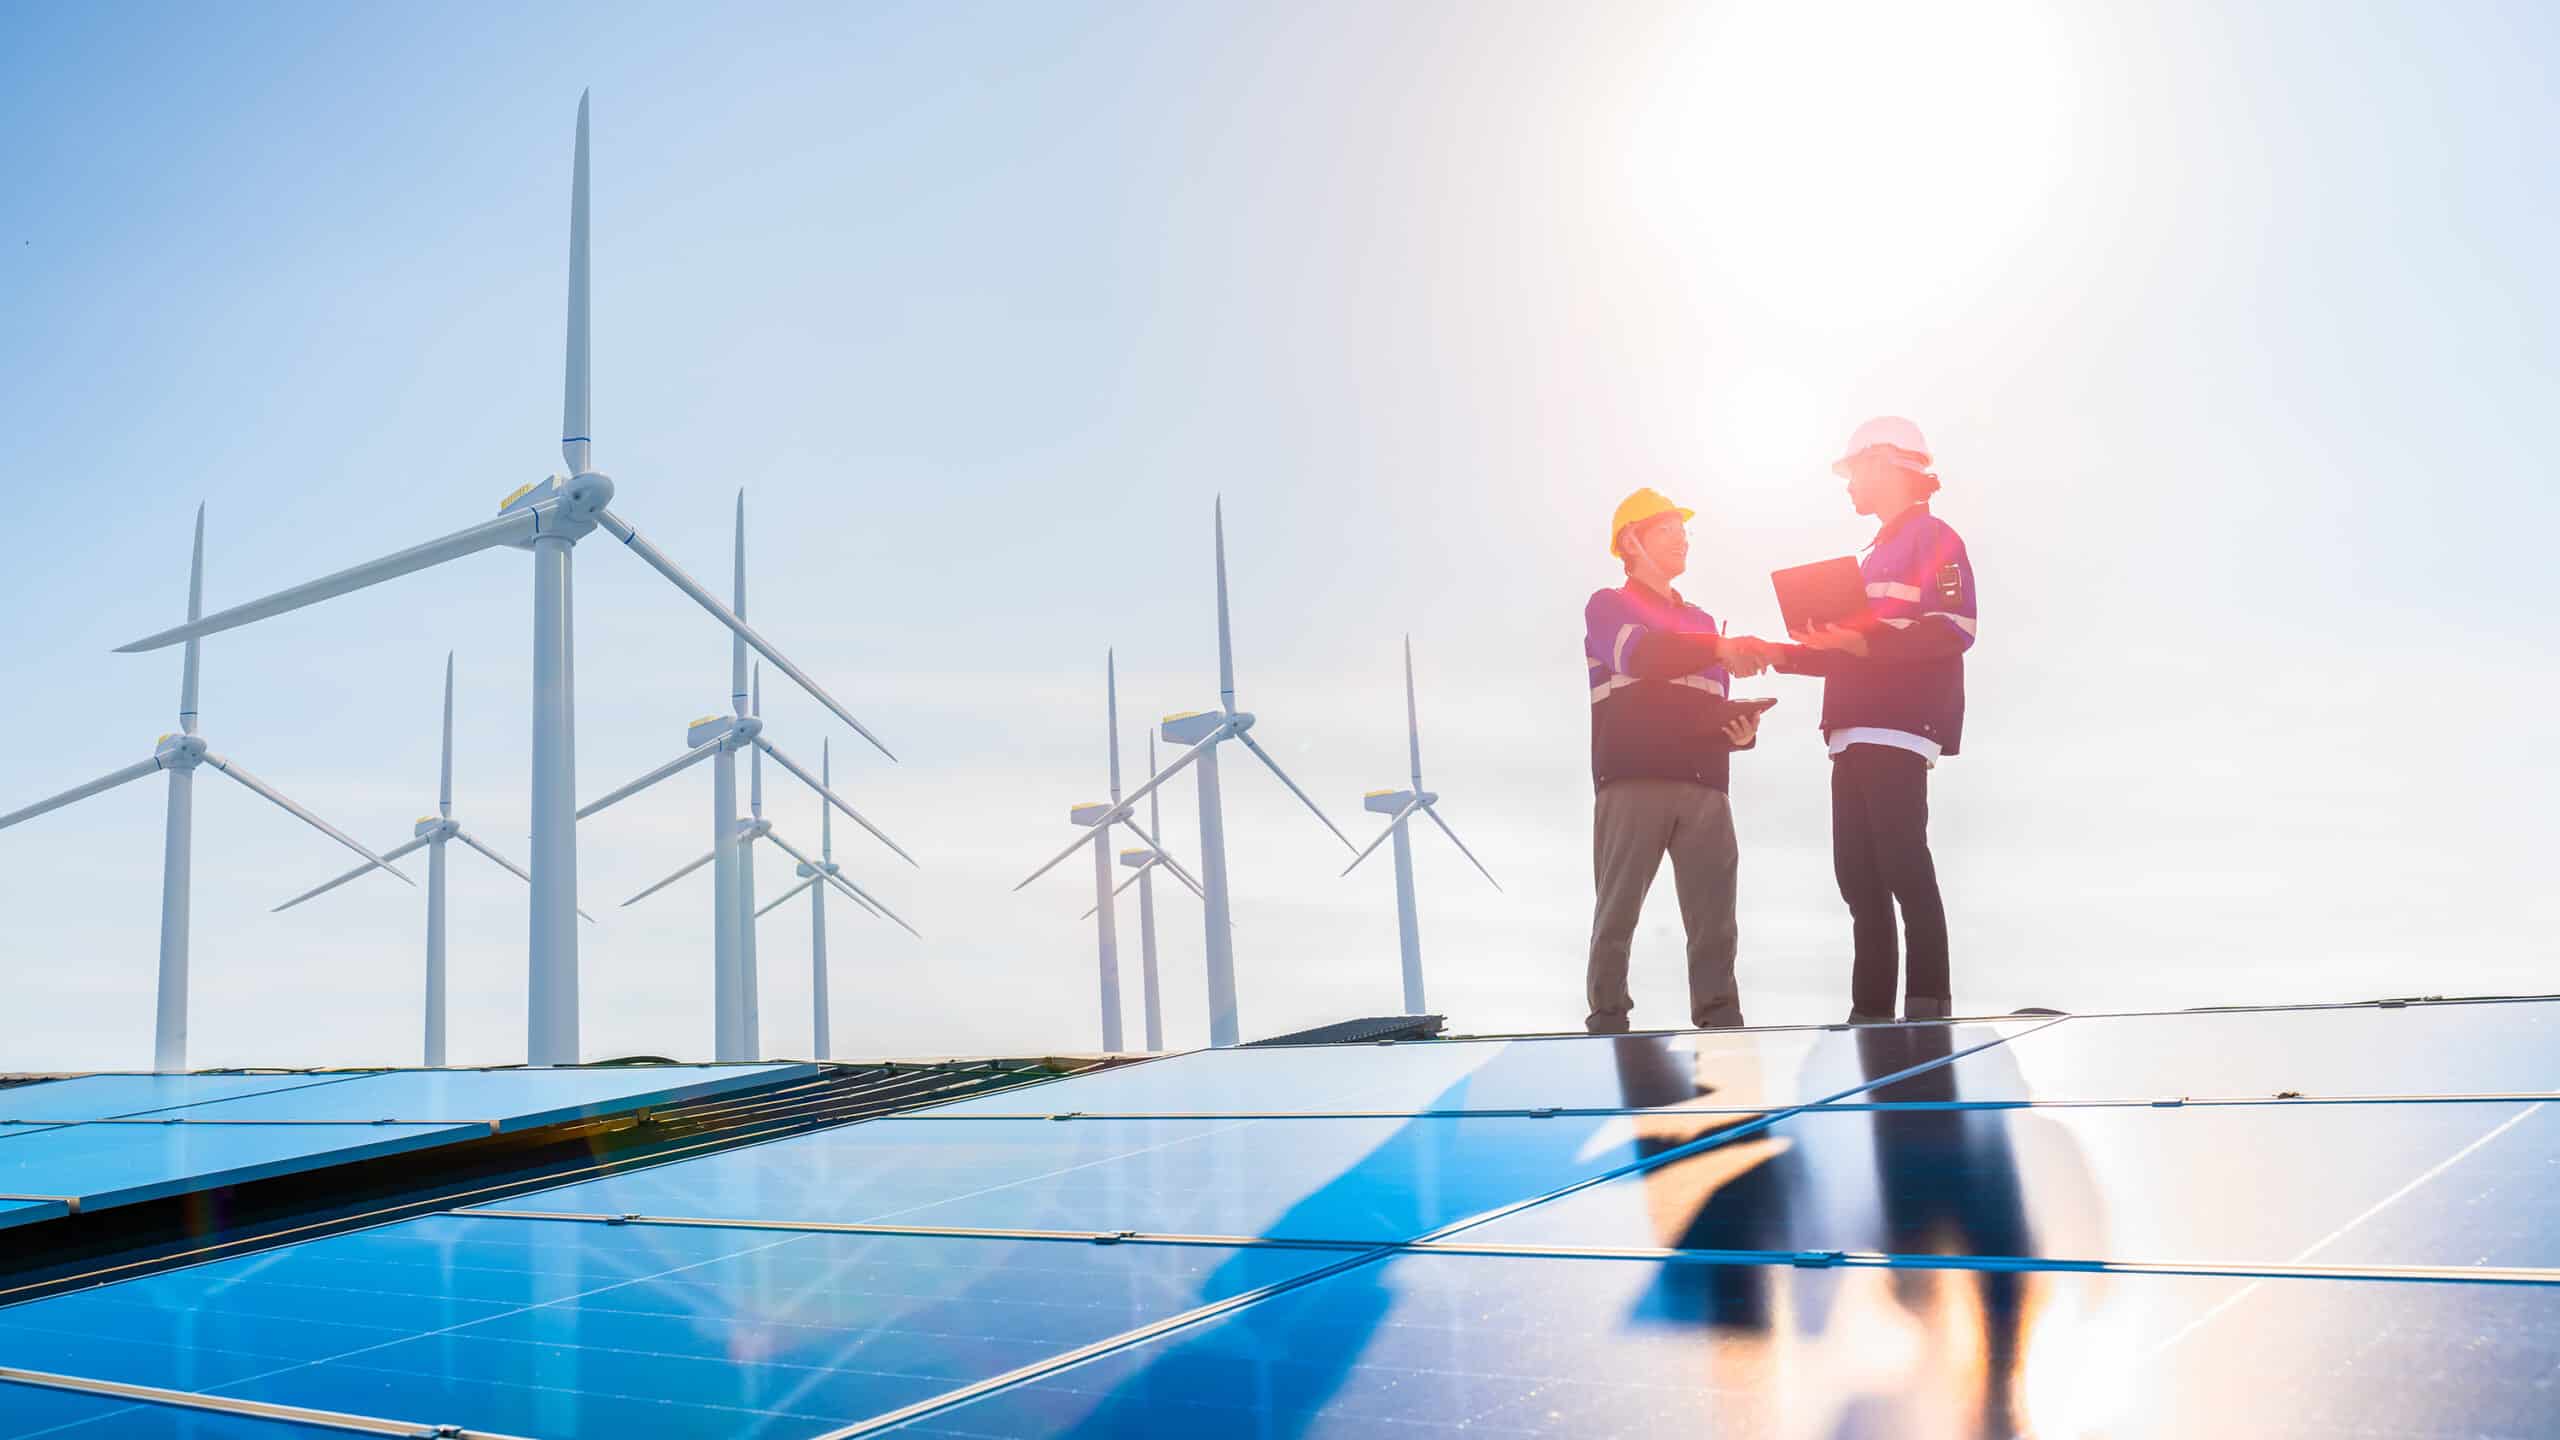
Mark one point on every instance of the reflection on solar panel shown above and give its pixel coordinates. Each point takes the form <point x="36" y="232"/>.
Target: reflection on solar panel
<point x="103" y="1140"/>
<point x="1962" y="1230"/>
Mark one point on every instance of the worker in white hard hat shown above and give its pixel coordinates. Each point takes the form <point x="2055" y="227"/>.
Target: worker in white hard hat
<point x="1662" y="737"/>
<point x="1892" y="707"/>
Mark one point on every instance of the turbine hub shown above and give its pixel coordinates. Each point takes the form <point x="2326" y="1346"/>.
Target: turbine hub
<point x="567" y="507"/>
<point x="179" y="752"/>
<point x="433" y="827"/>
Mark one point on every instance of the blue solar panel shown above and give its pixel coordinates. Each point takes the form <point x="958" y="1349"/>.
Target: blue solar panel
<point x="512" y="1099"/>
<point x="2470" y="1049"/>
<point x="576" y="1329"/>
<point x="20" y="1212"/>
<point x="1548" y="1347"/>
<point x="1729" y="1070"/>
<point x="99" y="1097"/>
<point x="123" y="1164"/>
<point x="1296" y="1179"/>
<point x="2434" y="1184"/>
<point x="31" y="1410"/>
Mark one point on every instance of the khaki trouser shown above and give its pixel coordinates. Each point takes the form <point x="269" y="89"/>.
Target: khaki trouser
<point x="1635" y="823"/>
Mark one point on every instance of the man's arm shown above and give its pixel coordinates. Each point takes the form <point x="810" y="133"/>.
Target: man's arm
<point x="1615" y="637"/>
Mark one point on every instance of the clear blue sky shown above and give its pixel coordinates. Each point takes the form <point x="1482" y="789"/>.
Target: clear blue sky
<point x="2235" y="332"/>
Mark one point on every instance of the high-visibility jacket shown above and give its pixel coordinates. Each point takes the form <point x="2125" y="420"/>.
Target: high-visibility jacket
<point x="1922" y="615"/>
<point x="1655" y="680"/>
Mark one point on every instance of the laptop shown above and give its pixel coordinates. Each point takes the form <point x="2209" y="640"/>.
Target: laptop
<point x="1826" y="592"/>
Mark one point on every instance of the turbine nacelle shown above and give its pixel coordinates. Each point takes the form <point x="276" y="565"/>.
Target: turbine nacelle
<point x="806" y="871"/>
<point x="1137" y="859"/>
<point x="567" y="508"/>
<point x="1390" y="802"/>
<point x="1193" y="726"/>
<point x="736" y="731"/>
<point x="435" y="827"/>
<point x="179" y="752"/>
<point x="1093" y="813"/>
<point x="750" y="831"/>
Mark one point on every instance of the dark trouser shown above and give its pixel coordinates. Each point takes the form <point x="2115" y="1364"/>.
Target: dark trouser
<point x="1634" y="824"/>
<point x="1880" y="854"/>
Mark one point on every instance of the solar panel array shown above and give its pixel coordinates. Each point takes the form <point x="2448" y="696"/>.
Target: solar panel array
<point x="2268" y="1223"/>
<point x="98" y="1141"/>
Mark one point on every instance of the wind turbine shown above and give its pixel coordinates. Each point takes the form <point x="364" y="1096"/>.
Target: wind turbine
<point x="825" y="870"/>
<point x="1401" y="806"/>
<point x="180" y="754"/>
<point x="1202" y="731"/>
<point x="431" y="832"/>
<point x="1143" y="863"/>
<point x="737" y="1023"/>
<point x="1098" y="820"/>
<point x="548" y="518"/>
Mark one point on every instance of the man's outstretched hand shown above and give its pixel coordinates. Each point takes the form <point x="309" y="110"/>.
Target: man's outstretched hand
<point x="1838" y="638"/>
<point x="1742" y="728"/>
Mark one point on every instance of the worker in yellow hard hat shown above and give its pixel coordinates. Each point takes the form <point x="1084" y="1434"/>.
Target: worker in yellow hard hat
<point x="1662" y="734"/>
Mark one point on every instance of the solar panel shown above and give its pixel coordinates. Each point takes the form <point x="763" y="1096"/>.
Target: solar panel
<point x="2261" y="1185"/>
<point x="1517" y="1346"/>
<point x="97" y="1165"/>
<point x="2449" y="1049"/>
<point x="30" y="1410"/>
<point x="566" y="1329"/>
<point x="100" y="1097"/>
<point x="1360" y="1180"/>
<point x="1729" y="1070"/>
<point x="147" y="1137"/>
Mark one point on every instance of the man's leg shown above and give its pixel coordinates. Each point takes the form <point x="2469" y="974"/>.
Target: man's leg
<point x="1704" y="865"/>
<point x="1629" y="825"/>
<point x="1898" y="815"/>
<point x="1874" y="944"/>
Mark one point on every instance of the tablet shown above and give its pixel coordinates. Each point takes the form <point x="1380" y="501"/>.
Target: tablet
<point x="1826" y="592"/>
<point x="1727" y="711"/>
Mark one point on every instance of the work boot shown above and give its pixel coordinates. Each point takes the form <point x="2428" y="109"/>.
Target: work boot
<point x="1861" y="1017"/>
<point x="1927" y="1007"/>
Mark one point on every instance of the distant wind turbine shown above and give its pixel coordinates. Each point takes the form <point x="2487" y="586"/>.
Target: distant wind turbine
<point x="548" y="518"/>
<point x="737" y="1015"/>
<point x="1098" y="820"/>
<point x="1401" y="806"/>
<point x="180" y="754"/>
<point x="1202" y="731"/>
<point x="1142" y="863"/>
<point x="431" y="832"/>
<point x="822" y="1030"/>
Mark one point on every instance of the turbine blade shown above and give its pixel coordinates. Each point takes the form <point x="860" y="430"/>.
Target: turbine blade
<point x="1116" y="889"/>
<point x="755" y="758"/>
<point x="1434" y="812"/>
<point x="394" y="853"/>
<point x="831" y="797"/>
<point x="504" y="530"/>
<point x="698" y="753"/>
<point x="1111" y="715"/>
<point x="1226" y="648"/>
<point x="1274" y="767"/>
<point x="785" y="895"/>
<point x="104" y="782"/>
<point x="738" y="607"/>
<point x="1119" y="814"/>
<point x="1412" y="721"/>
<point x="670" y="880"/>
<point x="575" y="420"/>
<point x="1397" y="819"/>
<point x="861" y="897"/>
<point x="444" y="777"/>
<point x="871" y="902"/>
<point x="656" y="560"/>
<point x="276" y="796"/>
<point x="826" y="816"/>
<point x="195" y="648"/>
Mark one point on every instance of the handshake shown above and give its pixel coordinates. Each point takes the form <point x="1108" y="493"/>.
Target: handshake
<point x="1748" y="655"/>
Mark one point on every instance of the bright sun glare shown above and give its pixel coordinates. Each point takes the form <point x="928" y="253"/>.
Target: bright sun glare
<point x="1854" y="163"/>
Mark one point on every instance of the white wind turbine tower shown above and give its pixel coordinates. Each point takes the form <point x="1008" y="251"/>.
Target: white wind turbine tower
<point x="737" y="1021"/>
<point x="432" y="832"/>
<point x="180" y="754"/>
<point x="547" y="518"/>
<point x="1098" y="820"/>
<point x="826" y="870"/>
<point x="1143" y="863"/>
<point x="1203" y="731"/>
<point x="1401" y="806"/>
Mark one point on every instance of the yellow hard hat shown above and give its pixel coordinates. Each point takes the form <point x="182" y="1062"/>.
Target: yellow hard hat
<point x="1640" y="507"/>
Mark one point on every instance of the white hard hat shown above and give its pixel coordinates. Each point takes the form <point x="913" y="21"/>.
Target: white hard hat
<point x="1894" y="433"/>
